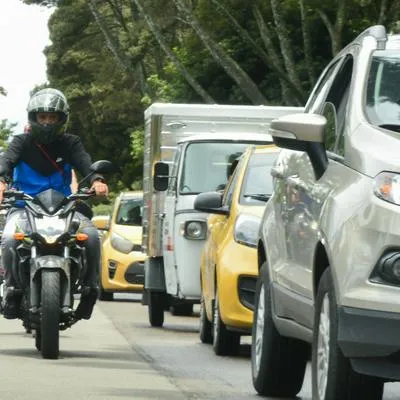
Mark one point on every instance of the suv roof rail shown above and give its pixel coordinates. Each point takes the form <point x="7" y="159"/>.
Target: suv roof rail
<point x="376" y="31"/>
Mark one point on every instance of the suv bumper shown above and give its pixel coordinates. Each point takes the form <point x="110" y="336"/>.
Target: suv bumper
<point x="371" y="340"/>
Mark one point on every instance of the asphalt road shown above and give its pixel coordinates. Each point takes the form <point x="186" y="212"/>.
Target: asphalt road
<point x="117" y="355"/>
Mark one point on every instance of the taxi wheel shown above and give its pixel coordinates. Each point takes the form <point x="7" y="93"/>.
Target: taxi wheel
<point x="278" y="363"/>
<point x="225" y="342"/>
<point x="205" y="328"/>
<point x="106" y="296"/>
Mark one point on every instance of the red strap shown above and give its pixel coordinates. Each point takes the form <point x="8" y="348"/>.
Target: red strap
<point x="59" y="169"/>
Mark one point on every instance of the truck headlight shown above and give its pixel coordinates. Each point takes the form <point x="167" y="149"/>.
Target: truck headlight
<point x="387" y="187"/>
<point x="121" y="244"/>
<point x="194" y="230"/>
<point x="247" y="230"/>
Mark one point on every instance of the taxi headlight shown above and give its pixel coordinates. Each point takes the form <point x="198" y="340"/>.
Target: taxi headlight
<point x="247" y="230"/>
<point x="121" y="244"/>
<point x="194" y="230"/>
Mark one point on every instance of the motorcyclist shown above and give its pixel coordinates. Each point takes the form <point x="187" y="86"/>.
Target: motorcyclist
<point x="39" y="161"/>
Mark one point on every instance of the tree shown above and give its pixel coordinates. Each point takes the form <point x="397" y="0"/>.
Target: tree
<point x="6" y="131"/>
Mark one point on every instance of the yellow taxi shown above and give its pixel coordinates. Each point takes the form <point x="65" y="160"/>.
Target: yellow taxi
<point x="229" y="258"/>
<point x="122" y="260"/>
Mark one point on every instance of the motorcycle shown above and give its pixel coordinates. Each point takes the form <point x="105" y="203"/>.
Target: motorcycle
<point x="49" y="263"/>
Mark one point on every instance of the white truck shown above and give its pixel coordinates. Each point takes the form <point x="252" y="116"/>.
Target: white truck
<point x="188" y="149"/>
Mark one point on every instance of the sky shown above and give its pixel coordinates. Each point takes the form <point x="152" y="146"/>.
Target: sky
<point x="23" y="37"/>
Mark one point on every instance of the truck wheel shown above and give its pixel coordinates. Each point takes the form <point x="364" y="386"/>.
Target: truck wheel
<point x="156" y="308"/>
<point x="332" y="375"/>
<point x="278" y="363"/>
<point x="205" y="325"/>
<point x="225" y="342"/>
<point x="50" y="314"/>
<point x="184" y="310"/>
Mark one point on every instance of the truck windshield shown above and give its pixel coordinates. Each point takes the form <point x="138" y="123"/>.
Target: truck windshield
<point x="130" y="212"/>
<point x="383" y="88"/>
<point x="207" y="166"/>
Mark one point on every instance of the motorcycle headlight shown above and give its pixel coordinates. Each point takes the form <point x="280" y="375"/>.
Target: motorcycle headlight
<point x="387" y="187"/>
<point x="194" y="230"/>
<point x="247" y="230"/>
<point x="121" y="244"/>
<point x="50" y="228"/>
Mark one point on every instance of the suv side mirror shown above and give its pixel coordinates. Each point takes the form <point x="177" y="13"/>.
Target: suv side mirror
<point x="210" y="202"/>
<point x="302" y="132"/>
<point x="160" y="179"/>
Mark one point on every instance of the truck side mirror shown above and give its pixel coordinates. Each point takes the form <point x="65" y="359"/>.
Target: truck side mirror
<point x="160" y="179"/>
<point x="210" y="202"/>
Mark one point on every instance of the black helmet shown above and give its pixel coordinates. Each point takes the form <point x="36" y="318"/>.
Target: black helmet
<point x="48" y="100"/>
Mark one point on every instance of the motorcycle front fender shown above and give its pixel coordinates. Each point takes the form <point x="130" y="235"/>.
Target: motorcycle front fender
<point x="54" y="263"/>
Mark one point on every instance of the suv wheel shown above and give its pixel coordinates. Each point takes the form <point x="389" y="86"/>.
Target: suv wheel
<point x="205" y="325"/>
<point x="278" y="363"/>
<point x="332" y="375"/>
<point x="225" y="342"/>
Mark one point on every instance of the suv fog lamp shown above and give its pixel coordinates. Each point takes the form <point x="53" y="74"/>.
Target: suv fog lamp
<point x="194" y="230"/>
<point x="388" y="267"/>
<point x="387" y="187"/>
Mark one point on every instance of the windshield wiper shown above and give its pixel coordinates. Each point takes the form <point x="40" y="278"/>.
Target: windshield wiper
<point x="258" y="196"/>
<point x="391" y="127"/>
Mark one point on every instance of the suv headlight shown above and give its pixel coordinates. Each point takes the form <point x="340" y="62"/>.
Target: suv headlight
<point x="387" y="187"/>
<point x="121" y="244"/>
<point x="247" y="230"/>
<point x="194" y="230"/>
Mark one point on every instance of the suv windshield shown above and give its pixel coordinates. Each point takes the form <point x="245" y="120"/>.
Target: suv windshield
<point x="257" y="186"/>
<point x="130" y="212"/>
<point x="207" y="165"/>
<point x="383" y="90"/>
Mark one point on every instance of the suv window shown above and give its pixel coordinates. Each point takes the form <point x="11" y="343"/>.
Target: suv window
<point x="319" y="93"/>
<point x="335" y="107"/>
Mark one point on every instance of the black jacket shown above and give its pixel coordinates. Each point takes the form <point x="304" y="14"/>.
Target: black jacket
<point x="68" y="149"/>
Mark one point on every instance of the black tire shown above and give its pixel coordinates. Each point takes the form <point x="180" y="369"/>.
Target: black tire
<point x="156" y="308"/>
<point x="341" y="381"/>
<point x="50" y="314"/>
<point x="106" y="296"/>
<point x="183" y="310"/>
<point x="225" y="342"/>
<point x="205" y="327"/>
<point x="278" y="363"/>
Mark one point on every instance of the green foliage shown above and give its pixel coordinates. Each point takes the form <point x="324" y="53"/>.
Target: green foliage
<point x="6" y="131"/>
<point x="113" y="66"/>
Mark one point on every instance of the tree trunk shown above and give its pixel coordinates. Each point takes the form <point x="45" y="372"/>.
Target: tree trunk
<point x="299" y="96"/>
<point x="111" y="42"/>
<point x="335" y="30"/>
<point x="307" y="44"/>
<point x="284" y="42"/>
<point x="231" y="67"/>
<point x="163" y="44"/>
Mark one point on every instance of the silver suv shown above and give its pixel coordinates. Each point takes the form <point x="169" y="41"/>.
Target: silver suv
<point x="329" y="251"/>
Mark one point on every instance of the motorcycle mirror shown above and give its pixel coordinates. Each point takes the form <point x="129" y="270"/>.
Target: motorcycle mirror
<point x="100" y="166"/>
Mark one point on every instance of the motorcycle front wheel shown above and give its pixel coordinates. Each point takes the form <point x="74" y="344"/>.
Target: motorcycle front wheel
<point x="50" y="314"/>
